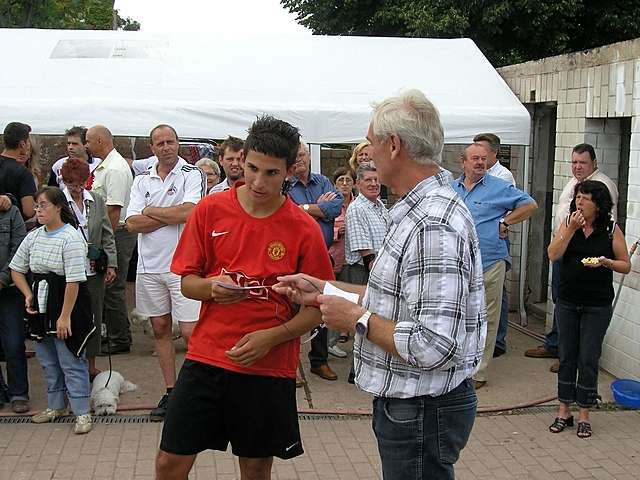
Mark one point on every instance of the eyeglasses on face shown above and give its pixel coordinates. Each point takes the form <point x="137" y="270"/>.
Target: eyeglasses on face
<point x="346" y="180"/>
<point x="41" y="206"/>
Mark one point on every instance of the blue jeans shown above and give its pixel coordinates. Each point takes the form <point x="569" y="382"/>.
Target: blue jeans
<point x="64" y="373"/>
<point x="551" y="340"/>
<point x="422" y="437"/>
<point x="12" y="337"/>
<point x="582" y="329"/>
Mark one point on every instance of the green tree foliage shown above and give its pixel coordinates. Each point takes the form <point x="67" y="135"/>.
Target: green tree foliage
<point x="68" y="14"/>
<point x="507" y="31"/>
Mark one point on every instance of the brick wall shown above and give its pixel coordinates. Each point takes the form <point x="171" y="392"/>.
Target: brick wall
<point x="593" y="90"/>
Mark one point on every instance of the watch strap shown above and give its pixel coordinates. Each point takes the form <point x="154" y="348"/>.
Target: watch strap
<point x="362" y="324"/>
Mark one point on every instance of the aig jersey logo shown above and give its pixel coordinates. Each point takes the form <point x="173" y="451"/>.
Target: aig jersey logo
<point x="276" y="250"/>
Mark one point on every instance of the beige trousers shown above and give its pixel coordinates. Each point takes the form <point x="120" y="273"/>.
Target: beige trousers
<point x="493" y="282"/>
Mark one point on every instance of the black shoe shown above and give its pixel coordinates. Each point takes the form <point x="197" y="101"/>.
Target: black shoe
<point x="351" y="378"/>
<point x="158" y="413"/>
<point x="4" y="396"/>
<point x="498" y="352"/>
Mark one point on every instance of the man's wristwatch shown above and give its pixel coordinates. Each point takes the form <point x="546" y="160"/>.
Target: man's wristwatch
<point x="305" y="207"/>
<point x="362" y="325"/>
<point x="503" y="222"/>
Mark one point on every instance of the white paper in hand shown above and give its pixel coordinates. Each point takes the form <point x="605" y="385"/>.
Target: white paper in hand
<point x="333" y="290"/>
<point x="233" y="286"/>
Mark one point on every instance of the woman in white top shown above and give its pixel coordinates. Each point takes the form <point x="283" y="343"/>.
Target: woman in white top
<point x="90" y="212"/>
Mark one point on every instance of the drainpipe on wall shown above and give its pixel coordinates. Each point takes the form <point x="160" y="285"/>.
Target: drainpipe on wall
<point x="524" y="243"/>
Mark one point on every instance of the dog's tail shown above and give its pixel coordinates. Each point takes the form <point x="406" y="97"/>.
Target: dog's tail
<point x="127" y="386"/>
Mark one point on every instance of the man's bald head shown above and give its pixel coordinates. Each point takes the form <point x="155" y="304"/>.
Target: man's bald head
<point x="101" y="131"/>
<point x="99" y="141"/>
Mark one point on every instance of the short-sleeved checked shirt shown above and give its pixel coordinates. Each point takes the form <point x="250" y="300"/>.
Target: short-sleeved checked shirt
<point x="366" y="226"/>
<point x="427" y="278"/>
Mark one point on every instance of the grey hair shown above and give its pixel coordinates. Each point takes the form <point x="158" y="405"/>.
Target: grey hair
<point x="207" y="162"/>
<point x="304" y="145"/>
<point x="415" y="120"/>
<point x="364" y="167"/>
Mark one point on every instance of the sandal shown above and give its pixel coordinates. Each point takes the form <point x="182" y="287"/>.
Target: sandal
<point x="559" y="424"/>
<point x="584" y="430"/>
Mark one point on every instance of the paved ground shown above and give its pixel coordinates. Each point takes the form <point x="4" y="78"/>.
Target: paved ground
<point x="501" y="447"/>
<point x="515" y="446"/>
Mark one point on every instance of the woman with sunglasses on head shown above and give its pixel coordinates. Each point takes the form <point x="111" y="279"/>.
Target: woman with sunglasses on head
<point x="58" y="305"/>
<point x="360" y="154"/>
<point x="90" y="213"/>
<point x="590" y="247"/>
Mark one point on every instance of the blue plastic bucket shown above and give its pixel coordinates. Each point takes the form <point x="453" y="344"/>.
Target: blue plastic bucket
<point x="626" y="393"/>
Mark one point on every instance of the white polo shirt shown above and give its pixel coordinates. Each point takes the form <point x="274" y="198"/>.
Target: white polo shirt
<point x="112" y="180"/>
<point x="500" y="171"/>
<point x="144" y="164"/>
<point x="184" y="184"/>
<point x="223" y="186"/>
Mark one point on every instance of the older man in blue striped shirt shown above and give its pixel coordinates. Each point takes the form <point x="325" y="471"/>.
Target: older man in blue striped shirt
<point x="420" y="328"/>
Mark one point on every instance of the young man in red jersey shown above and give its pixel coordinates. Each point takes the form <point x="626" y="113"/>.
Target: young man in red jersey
<point x="237" y="384"/>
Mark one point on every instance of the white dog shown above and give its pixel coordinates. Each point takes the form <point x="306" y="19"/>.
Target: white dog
<point x="105" y="398"/>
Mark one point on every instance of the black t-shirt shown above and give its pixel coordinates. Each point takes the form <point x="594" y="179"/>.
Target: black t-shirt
<point x="584" y="285"/>
<point x="16" y="180"/>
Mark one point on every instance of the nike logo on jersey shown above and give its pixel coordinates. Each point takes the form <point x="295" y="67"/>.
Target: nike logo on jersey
<point x="217" y="234"/>
<point x="289" y="448"/>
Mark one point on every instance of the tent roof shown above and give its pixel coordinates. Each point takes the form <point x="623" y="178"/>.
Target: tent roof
<point x="212" y="85"/>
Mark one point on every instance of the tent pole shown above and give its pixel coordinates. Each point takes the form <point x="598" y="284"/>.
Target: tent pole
<point x="524" y="243"/>
<point x="315" y="157"/>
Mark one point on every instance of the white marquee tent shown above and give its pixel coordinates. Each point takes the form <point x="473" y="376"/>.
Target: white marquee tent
<point x="210" y="85"/>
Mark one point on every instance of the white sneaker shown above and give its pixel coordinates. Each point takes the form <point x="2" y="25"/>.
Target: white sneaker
<point x="336" y="351"/>
<point x="84" y="424"/>
<point x="48" y="415"/>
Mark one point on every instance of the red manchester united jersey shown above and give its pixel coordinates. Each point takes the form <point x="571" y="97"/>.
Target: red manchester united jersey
<point x="221" y="238"/>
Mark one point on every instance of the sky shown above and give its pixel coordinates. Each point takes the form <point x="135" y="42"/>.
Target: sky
<point x="266" y="16"/>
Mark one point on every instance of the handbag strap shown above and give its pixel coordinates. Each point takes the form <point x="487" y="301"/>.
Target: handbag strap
<point x="78" y="221"/>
